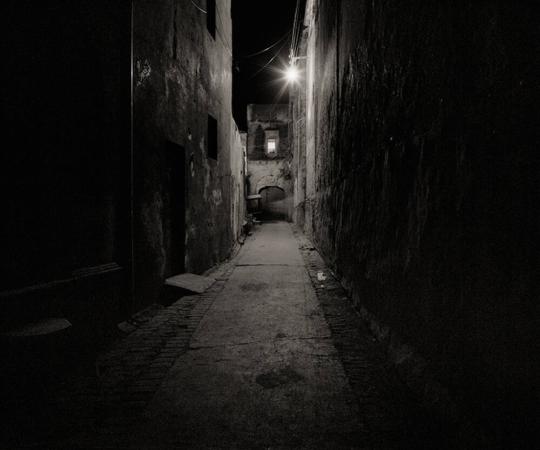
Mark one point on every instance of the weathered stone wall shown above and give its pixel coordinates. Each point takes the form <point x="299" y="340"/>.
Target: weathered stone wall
<point x="182" y="75"/>
<point x="265" y="171"/>
<point x="67" y="181"/>
<point x="421" y="185"/>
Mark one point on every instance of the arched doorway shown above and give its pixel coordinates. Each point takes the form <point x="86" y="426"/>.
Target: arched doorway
<point x="273" y="204"/>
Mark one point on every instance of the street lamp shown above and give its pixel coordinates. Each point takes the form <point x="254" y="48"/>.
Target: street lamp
<point x="291" y="74"/>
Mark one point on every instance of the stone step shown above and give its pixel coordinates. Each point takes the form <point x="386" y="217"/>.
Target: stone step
<point x="190" y="282"/>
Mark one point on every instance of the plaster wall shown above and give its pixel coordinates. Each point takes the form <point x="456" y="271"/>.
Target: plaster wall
<point x="183" y="74"/>
<point x="67" y="181"/>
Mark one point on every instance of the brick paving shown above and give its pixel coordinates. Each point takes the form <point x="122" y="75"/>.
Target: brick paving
<point x="98" y="409"/>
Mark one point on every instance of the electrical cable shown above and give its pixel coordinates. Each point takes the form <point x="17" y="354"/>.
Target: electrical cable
<point x="294" y="29"/>
<point x="296" y="43"/>
<point x="295" y="32"/>
<point x="251" y="55"/>
<point x="229" y="50"/>
<point x="198" y="7"/>
<point x="222" y="38"/>
<point x="269" y="62"/>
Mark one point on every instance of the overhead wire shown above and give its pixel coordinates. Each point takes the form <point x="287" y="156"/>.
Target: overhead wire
<point x="229" y="46"/>
<point x="199" y="8"/>
<point x="230" y="50"/>
<point x="296" y="32"/>
<point x="296" y="43"/>
<point x="251" y="55"/>
<point x="295" y="38"/>
<point x="269" y="61"/>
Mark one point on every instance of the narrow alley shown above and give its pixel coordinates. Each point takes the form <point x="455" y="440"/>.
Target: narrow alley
<point x="295" y="224"/>
<point x="253" y="363"/>
<point x="261" y="369"/>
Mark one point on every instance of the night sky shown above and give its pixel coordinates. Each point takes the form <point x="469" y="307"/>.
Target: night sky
<point x="256" y="26"/>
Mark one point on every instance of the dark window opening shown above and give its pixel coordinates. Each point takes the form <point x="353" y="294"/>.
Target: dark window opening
<point x="174" y="209"/>
<point x="212" y="137"/>
<point x="211" y="17"/>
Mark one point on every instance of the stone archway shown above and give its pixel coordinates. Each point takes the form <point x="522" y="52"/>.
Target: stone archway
<point x="273" y="203"/>
<point x="268" y="181"/>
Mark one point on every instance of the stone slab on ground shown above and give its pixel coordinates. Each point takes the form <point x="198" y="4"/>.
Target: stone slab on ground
<point x="191" y="282"/>
<point x="42" y="328"/>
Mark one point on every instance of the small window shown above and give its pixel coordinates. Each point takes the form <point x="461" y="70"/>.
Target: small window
<point x="271" y="146"/>
<point x="212" y="137"/>
<point x="211" y="17"/>
<point x="271" y="143"/>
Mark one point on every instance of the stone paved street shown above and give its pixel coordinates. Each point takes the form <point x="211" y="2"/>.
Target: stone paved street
<point x="269" y="357"/>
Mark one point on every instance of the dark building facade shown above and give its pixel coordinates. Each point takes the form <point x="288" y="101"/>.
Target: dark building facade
<point x="269" y="158"/>
<point x="66" y="178"/>
<point x="183" y="133"/>
<point x="124" y="162"/>
<point x="416" y="176"/>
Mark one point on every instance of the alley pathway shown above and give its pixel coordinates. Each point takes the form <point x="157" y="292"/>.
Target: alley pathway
<point x="269" y="357"/>
<point x="261" y="370"/>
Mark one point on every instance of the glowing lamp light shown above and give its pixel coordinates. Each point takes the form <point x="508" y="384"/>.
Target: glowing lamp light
<point x="291" y="74"/>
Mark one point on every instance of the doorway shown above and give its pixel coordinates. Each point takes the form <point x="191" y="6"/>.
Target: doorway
<point x="273" y="205"/>
<point x="174" y="219"/>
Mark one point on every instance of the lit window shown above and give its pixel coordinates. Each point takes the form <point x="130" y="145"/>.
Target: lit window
<point x="271" y="146"/>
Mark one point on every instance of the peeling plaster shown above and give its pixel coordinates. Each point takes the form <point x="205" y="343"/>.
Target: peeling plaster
<point x="217" y="197"/>
<point x="144" y="71"/>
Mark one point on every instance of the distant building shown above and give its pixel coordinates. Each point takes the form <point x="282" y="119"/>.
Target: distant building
<point x="269" y="159"/>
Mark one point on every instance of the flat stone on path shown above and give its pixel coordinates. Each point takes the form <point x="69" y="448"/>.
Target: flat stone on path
<point x="190" y="282"/>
